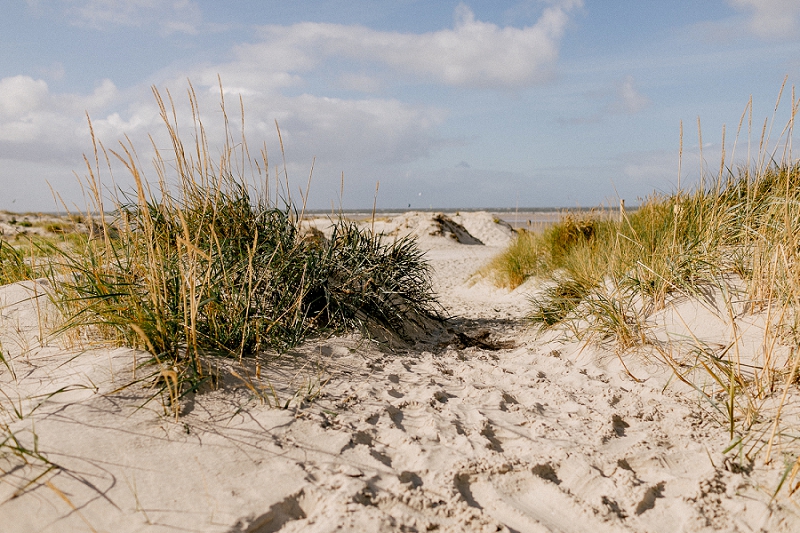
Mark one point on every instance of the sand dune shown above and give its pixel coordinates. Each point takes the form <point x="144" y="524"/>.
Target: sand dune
<point x="487" y="427"/>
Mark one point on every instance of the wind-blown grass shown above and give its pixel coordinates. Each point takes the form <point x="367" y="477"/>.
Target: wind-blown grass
<point x="672" y="244"/>
<point x="737" y="236"/>
<point x="13" y="267"/>
<point x="200" y="264"/>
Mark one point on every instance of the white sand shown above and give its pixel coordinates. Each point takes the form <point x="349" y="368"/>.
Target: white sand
<point x="515" y="433"/>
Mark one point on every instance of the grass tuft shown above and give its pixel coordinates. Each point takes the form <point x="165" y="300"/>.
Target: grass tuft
<point x="13" y="267"/>
<point x="199" y="264"/>
<point x="732" y="244"/>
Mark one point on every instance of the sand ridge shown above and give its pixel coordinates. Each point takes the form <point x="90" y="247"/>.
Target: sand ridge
<point x="487" y="427"/>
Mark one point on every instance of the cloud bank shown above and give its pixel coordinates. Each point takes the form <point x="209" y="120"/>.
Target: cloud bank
<point x="771" y="19"/>
<point x="473" y="54"/>
<point x="369" y="138"/>
<point x="170" y="16"/>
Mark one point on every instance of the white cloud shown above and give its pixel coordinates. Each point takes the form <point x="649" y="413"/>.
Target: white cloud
<point x="367" y="138"/>
<point x="20" y="95"/>
<point x="628" y="99"/>
<point x="37" y="124"/>
<point x="374" y="130"/>
<point x="622" y="98"/>
<point x="472" y="54"/>
<point x="364" y="83"/>
<point x="359" y="137"/>
<point x="772" y="19"/>
<point x="171" y="16"/>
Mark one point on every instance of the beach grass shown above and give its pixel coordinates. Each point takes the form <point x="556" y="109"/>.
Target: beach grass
<point x="13" y="266"/>
<point x="734" y="236"/>
<point x="201" y="262"/>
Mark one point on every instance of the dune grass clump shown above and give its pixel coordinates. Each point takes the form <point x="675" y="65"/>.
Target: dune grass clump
<point x="13" y="267"/>
<point x="673" y="244"/>
<point x="365" y="283"/>
<point x="732" y="243"/>
<point x="522" y="259"/>
<point x="200" y="265"/>
<point x="536" y="254"/>
<point x="606" y="271"/>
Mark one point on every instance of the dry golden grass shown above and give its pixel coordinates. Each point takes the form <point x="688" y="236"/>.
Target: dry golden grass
<point x="736" y="234"/>
<point x="201" y="264"/>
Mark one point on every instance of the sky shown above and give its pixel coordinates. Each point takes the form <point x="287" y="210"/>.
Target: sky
<point x="431" y="103"/>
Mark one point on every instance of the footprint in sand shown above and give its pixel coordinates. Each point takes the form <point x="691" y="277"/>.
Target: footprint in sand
<point x="530" y="501"/>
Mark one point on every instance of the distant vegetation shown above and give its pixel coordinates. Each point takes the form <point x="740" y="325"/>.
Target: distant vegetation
<point x="12" y="264"/>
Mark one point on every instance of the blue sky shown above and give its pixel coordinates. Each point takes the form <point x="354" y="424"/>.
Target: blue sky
<point x="449" y="104"/>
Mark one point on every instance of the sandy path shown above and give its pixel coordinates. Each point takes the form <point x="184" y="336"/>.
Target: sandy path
<point x="510" y="434"/>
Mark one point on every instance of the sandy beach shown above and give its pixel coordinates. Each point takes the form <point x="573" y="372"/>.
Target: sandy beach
<point x="487" y="426"/>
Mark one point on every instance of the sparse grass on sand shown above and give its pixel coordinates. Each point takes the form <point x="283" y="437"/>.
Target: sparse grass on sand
<point x="737" y="235"/>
